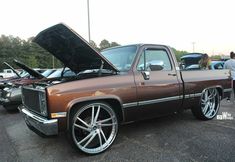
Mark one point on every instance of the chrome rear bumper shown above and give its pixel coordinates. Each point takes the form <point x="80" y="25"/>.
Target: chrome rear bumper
<point x="40" y="124"/>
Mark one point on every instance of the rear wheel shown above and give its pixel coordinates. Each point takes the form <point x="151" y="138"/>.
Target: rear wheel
<point x="93" y="127"/>
<point x="209" y="105"/>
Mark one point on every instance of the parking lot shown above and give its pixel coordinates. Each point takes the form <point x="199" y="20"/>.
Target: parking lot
<point x="178" y="137"/>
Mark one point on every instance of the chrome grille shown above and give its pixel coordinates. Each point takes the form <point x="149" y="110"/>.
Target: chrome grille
<point x="31" y="98"/>
<point x="3" y="93"/>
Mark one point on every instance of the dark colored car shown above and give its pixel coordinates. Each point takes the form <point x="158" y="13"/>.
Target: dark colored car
<point x="190" y="59"/>
<point x="118" y="85"/>
<point x="190" y="62"/>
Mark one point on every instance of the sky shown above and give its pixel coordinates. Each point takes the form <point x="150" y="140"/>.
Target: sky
<point x="177" y="23"/>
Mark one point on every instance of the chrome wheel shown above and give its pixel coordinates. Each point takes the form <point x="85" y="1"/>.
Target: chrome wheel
<point x="210" y="102"/>
<point x="94" y="128"/>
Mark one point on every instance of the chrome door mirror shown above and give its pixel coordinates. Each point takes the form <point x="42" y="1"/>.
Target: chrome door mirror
<point x="146" y="75"/>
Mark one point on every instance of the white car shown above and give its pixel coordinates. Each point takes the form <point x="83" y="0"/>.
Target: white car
<point x="7" y="73"/>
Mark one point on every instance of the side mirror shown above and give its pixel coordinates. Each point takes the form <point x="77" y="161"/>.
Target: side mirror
<point x="155" y="67"/>
<point x="182" y="66"/>
<point x="146" y="75"/>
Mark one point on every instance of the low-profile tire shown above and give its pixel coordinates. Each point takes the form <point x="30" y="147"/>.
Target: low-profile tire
<point x="209" y="105"/>
<point x="93" y="127"/>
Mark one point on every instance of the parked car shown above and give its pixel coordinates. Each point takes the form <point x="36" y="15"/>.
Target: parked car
<point x="113" y="87"/>
<point x="215" y="65"/>
<point x="7" y="73"/>
<point x="6" y="80"/>
<point x="10" y="97"/>
<point x="190" y="61"/>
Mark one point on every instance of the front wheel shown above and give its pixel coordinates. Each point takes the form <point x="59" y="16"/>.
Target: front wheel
<point x="93" y="127"/>
<point x="209" y="105"/>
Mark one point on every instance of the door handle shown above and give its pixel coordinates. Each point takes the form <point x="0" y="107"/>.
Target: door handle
<point x="172" y="74"/>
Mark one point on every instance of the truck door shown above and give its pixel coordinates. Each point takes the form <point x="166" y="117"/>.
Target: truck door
<point x="157" y="83"/>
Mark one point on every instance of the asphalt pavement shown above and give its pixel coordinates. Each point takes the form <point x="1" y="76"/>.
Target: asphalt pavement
<point x="179" y="137"/>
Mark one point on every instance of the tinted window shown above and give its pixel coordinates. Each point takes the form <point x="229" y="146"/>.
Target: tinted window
<point x="121" y="57"/>
<point x="218" y="66"/>
<point x="155" y="60"/>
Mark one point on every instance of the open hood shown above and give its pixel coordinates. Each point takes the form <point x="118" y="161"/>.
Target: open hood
<point x="17" y="74"/>
<point x="71" y="49"/>
<point x="29" y="70"/>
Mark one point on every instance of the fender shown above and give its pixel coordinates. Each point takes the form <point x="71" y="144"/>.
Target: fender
<point x="93" y="98"/>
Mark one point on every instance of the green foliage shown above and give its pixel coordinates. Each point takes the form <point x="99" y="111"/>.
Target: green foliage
<point x="106" y="44"/>
<point x="113" y="44"/>
<point x="93" y="44"/>
<point x="26" y="51"/>
<point x="216" y="57"/>
<point x="179" y="54"/>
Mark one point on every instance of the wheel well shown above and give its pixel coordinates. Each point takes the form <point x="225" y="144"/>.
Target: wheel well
<point x="115" y="104"/>
<point x="220" y="91"/>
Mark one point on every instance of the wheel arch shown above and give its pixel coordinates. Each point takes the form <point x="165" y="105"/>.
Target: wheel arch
<point x="113" y="101"/>
<point x="218" y="87"/>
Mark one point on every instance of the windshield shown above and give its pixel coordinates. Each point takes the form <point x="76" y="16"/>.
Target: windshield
<point x="121" y="57"/>
<point x="57" y="73"/>
<point x="48" y="72"/>
<point x="24" y="74"/>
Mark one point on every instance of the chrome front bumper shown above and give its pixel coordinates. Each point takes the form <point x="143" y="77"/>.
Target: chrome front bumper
<point x="39" y="124"/>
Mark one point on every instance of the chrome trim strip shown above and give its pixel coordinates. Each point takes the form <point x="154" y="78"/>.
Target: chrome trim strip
<point x="197" y="94"/>
<point x="159" y="100"/>
<point x="132" y="104"/>
<point x="187" y="96"/>
<point x="228" y="90"/>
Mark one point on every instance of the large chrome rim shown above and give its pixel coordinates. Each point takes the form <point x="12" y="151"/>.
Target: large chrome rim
<point x="94" y="128"/>
<point x="210" y="102"/>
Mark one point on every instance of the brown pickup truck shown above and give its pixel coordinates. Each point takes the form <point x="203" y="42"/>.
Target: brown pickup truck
<point x="118" y="85"/>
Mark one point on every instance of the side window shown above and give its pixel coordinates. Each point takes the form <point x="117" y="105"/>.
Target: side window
<point x="8" y="71"/>
<point x="154" y="60"/>
<point x="218" y="66"/>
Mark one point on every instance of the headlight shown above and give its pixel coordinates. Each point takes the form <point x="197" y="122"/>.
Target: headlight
<point x="43" y="103"/>
<point x="6" y="89"/>
<point x="8" y="94"/>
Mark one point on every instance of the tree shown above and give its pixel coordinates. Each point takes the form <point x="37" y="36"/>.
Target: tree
<point x="179" y="54"/>
<point x="104" y="44"/>
<point x="113" y="44"/>
<point x="216" y="57"/>
<point x="93" y="44"/>
<point x="26" y="51"/>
